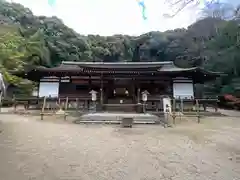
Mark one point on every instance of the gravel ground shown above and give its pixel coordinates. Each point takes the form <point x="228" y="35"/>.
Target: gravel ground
<point x="35" y="150"/>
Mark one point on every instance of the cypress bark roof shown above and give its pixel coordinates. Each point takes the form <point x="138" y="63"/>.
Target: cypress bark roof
<point x="167" y="66"/>
<point x="156" y="69"/>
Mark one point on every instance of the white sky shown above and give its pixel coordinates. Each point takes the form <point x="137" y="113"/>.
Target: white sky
<point x="108" y="17"/>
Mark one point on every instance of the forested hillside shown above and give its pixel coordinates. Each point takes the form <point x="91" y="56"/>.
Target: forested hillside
<point x="26" y="39"/>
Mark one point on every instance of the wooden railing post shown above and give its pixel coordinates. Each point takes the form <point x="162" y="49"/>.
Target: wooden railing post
<point x="43" y="107"/>
<point x="76" y="104"/>
<point x="144" y="107"/>
<point x="181" y="105"/>
<point x="198" y="112"/>
<point x="173" y="111"/>
<point x="216" y="106"/>
<point x="66" y="104"/>
<point x="65" y="109"/>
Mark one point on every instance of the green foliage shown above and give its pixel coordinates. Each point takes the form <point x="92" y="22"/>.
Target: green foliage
<point x="11" y="54"/>
<point x="27" y="39"/>
<point x="17" y="51"/>
<point x="225" y="57"/>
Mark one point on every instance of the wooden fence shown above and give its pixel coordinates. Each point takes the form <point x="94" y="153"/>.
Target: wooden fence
<point x="195" y="108"/>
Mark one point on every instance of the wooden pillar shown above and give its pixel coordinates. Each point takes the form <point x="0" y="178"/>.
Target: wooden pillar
<point x="101" y="92"/>
<point x="133" y="91"/>
<point x="101" y="96"/>
<point x="194" y="82"/>
<point x="138" y="95"/>
<point x="38" y="87"/>
<point x="171" y="88"/>
<point x="90" y="83"/>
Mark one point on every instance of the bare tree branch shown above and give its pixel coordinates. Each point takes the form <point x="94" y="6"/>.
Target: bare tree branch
<point x="179" y="5"/>
<point x="212" y="8"/>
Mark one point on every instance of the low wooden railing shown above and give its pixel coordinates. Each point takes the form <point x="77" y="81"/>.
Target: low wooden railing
<point x="37" y="102"/>
<point x="85" y="103"/>
<point x="190" y="104"/>
<point x="194" y="108"/>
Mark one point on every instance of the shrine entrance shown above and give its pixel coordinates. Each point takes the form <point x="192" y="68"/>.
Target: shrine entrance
<point x="121" y="96"/>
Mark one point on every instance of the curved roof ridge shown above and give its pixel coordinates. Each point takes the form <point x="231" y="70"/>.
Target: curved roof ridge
<point x="117" y="63"/>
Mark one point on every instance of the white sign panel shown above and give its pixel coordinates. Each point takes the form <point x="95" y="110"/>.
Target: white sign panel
<point x="183" y="90"/>
<point x="48" y="89"/>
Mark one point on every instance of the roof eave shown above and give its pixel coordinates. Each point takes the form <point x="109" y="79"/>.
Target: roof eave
<point x="193" y="69"/>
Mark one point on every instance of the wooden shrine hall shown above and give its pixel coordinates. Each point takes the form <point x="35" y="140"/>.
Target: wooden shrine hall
<point x="116" y="84"/>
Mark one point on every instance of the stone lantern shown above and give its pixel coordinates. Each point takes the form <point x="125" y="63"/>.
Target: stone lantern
<point x="94" y="99"/>
<point x="144" y="99"/>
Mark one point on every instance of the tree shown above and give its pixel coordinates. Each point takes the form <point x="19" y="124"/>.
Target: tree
<point x="219" y="10"/>
<point x="38" y="53"/>
<point x="227" y="56"/>
<point x="12" y="53"/>
<point x="16" y="52"/>
<point x="177" y="6"/>
<point x="211" y="42"/>
<point x="212" y="8"/>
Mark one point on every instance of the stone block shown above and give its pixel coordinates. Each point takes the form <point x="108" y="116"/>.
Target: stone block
<point x="127" y="122"/>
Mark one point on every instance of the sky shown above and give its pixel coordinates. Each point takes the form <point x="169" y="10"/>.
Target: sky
<point x="108" y="17"/>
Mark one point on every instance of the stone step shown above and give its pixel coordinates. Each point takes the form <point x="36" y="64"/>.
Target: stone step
<point x="118" y="117"/>
<point x="114" y="121"/>
<point x="111" y="122"/>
